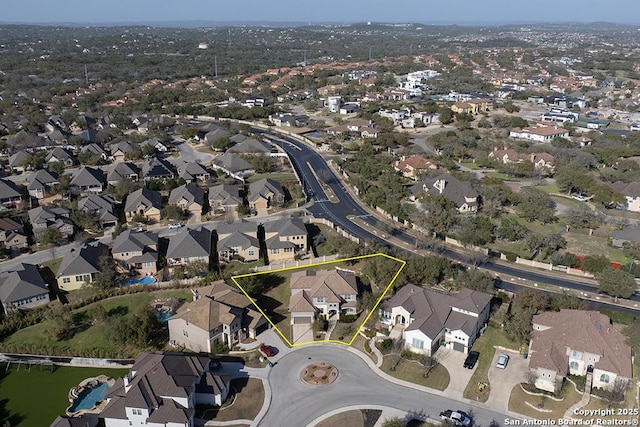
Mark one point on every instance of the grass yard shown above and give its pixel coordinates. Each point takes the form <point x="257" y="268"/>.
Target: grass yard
<point x="549" y="189"/>
<point x="410" y="370"/>
<point x="360" y="344"/>
<point x="282" y="177"/>
<point x="485" y="345"/>
<point x="580" y="243"/>
<point x="53" y="264"/>
<point x="275" y="303"/>
<point x="249" y="397"/>
<point x="35" y="398"/>
<point x="541" y="406"/>
<point x="347" y="418"/>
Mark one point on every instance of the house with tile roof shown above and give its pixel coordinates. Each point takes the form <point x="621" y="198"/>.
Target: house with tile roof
<point x="578" y="342"/>
<point x="163" y="389"/>
<point x="189" y="198"/>
<point x="219" y="312"/>
<point x="412" y="166"/>
<point x="285" y="238"/>
<point x="143" y="203"/>
<point x="80" y="265"/>
<point x="429" y="318"/>
<point x="22" y="287"/>
<point x="325" y="292"/>
<point x="464" y="197"/>
<point x="136" y="252"/>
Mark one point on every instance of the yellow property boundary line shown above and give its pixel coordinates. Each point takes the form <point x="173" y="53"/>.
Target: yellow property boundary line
<point x="355" y="335"/>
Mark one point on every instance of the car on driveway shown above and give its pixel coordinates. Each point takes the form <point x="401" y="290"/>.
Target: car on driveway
<point x="503" y="359"/>
<point x="174" y="225"/>
<point x="267" y="350"/>
<point x="471" y="359"/>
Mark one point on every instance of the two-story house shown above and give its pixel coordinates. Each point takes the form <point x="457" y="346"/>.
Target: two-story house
<point x="80" y="265"/>
<point x="430" y="318"/>
<point x="190" y="245"/>
<point x="285" y="238"/>
<point x="189" y="198"/>
<point x="143" y="203"/>
<point x="265" y="194"/>
<point x="41" y="182"/>
<point x="100" y="207"/>
<point x="238" y="240"/>
<point x="136" y="252"/>
<point x="44" y="218"/>
<point x="464" y="197"/>
<point x="578" y="342"/>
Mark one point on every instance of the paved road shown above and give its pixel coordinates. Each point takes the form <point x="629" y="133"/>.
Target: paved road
<point x="297" y="403"/>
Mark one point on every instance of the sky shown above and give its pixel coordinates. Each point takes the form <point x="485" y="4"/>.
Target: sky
<point x="303" y="11"/>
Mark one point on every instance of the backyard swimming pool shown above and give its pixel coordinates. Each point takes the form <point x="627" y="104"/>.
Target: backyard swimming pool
<point x="146" y="280"/>
<point x="88" y="397"/>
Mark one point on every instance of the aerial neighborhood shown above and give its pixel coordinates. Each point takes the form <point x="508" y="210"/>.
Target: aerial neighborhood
<point x="226" y="242"/>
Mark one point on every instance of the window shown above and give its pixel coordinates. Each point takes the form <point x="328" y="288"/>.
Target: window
<point x="573" y="366"/>
<point x="319" y="299"/>
<point x="416" y="343"/>
<point x="576" y="354"/>
<point x="136" y="411"/>
<point x="250" y="252"/>
<point x="604" y="378"/>
<point x="66" y="280"/>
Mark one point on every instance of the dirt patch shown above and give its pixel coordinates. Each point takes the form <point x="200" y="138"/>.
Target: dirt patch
<point x="319" y="374"/>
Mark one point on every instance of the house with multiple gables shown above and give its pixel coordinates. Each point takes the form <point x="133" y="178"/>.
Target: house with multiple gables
<point x="94" y="149"/>
<point x="325" y="292"/>
<point x="123" y="172"/>
<point x="136" y="252"/>
<point x="122" y="150"/>
<point x="507" y="156"/>
<point x="22" y="287"/>
<point x="224" y="197"/>
<point x="193" y="172"/>
<point x="163" y="389"/>
<point x="100" y="207"/>
<point x="61" y="155"/>
<point x="578" y="342"/>
<point x="43" y="218"/>
<point x="412" y="166"/>
<point x="143" y="203"/>
<point x="464" y="197"/>
<point x="155" y="168"/>
<point x="190" y="245"/>
<point x="539" y="133"/>
<point x="12" y="234"/>
<point x="87" y="180"/>
<point x="80" y="265"/>
<point x="430" y="318"/>
<point x="189" y="198"/>
<point x="219" y="312"/>
<point x="285" y="238"/>
<point x="238" y="240"/>
<point x="232" y="165"/>
<point x="251" y="146"/>
<point x="265" y="194"/>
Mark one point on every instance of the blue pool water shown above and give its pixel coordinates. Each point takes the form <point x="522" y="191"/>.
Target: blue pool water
<point x="88" y="398"/>
<point x="163" y="316"/>
<point x="147" y="280"/>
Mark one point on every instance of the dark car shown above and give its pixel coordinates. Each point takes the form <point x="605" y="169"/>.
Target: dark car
<point x="471" y="359"/>
<point x="267" y="350"/>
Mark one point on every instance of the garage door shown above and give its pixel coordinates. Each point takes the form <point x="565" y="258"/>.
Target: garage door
<point x="458" y="347"/>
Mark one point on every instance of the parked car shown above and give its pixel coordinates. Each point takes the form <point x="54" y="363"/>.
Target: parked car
<point x="457" y="418"/>
<point x="267" y="350"/>
<point x="471" y="359"/>
<point x="174" y="225"/>
<point x="503" y="359"/>
<point x="137" y="229"/>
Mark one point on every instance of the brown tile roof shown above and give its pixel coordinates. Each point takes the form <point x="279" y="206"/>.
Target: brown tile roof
<point x="300" y="302"/>
<point x="585" y="331"/>
<point x="339" y="282"/>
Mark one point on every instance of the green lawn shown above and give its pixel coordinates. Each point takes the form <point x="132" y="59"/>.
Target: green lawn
<point x="282" y="177"/>
<point x="485" y="345"/>
<point x="519" y="399"/>
<point x="410" y="370"/>
<point x="249" y="398"/>
<point x="35" y="398"/>
<point x="550" y="189"/>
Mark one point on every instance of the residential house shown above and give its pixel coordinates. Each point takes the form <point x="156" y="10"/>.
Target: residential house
<point x="94" y="149"/>
<point x="193" y="172"/>
<point x="189" y="198"/>
<point x="156" y="144"/>
<point x="10" y="195"/>
<point x="431" y="318"/>
<point x="43" y="218"/>
<point x="472" y="106"/>
<point x="17" y="161"/>
<point x="81" y="265"/>
<point x="84" y="420"/>
<point x="232" y="165"/>
<point x="630" y="191"/>
<point x="136" y="252"/>
<point x="559" y="115"/>
<point x="22" y="287"/>
<point x="238" y="240"/>
<point x="578" y="342"/>
<point x="539" y="133"/>
<point x="143" y="203"/>
<point x="219" y="313"/>
<point x="539" y="160"/>
<point x="190" y="245"/>
<point x="60" y="155"/>
<point x="87" y="180"/>
<point x="265" y="194"/>
<point x="123" y="150"/>
<point x="100" y="207"/>
<point x="155" y="168"/>
<point x="12" y="234"/>
<point x="289" y="120"/>
<point x="326" y="292"/>
<point x="411" y="167"/>
<point x="40" y="182"/>
<point x="285" y="238"/>
<point x="123" y="172"/>
<point x="163" y="389"/>
<point x="464" y="197"/>
<point x="251" y="146"/>
<point x="626" y="235"/>
<point x="224" y="197"/>
<point x="214" y="135"/>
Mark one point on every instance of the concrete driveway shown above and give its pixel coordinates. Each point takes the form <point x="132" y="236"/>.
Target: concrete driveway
<point x="504" y="380"/>
<point x="459" y="376"/>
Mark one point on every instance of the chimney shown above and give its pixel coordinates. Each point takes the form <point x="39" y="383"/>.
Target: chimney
<point x="196" y="294"/>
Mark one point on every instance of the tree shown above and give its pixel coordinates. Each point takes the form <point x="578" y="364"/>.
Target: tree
<point x="84" y="221"/>
<point x="573" y="178"/>
<point x="477" y="231"/>
<point x="446" y="115"/>
<point x="173" y="212"/>
<point x="394" y="422"/>
<point x="617" y="283"/>
<point x="584" y="218"/>
<point x="106" y="277"/>
<point x="534" y="204"/>
<point x="50" y="235"/>
<point x="472" y="278"/>
<point x="221" y="144"/>
<point x="510" y="229"/>
<point x="57" y="167"/>
<point x="595" y="263"/>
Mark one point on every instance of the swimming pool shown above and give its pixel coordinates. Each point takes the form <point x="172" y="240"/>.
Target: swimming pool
<point x="88" y="398"/>
<point x="146" y="280"/>
<point x="163" y="316"/>
<point x="315" y="134"/>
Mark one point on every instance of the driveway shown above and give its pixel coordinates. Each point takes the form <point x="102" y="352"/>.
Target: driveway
<point x="504" y="380"/>
<point x="459" y="376"/>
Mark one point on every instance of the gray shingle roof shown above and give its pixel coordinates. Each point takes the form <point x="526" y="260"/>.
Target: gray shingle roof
<point x="87" y="176"/>
<point x="190" y="192"/>
<point x="189" y="243"/>
<point x="21" y="283"/>
<point x="143" y="196"/>
<point x="83" y="260"/>
<point x="232" y="163"/>
<point x="8" y="190"/>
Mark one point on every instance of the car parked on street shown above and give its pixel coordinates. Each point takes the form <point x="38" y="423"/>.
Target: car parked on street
<point x="471" y="359"/>
<point x="503" y="359"/>
<point x="457" y="418"/>
<point x="174" y="225"/>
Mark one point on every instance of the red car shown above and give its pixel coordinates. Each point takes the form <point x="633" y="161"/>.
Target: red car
<point x="267" y="350"/>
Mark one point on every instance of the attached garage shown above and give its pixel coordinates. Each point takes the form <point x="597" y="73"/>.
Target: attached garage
<point x="459" y="347"/>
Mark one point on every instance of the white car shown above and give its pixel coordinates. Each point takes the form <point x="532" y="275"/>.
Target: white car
<point x="174" y="225"/>
<point x="503" y="359"/>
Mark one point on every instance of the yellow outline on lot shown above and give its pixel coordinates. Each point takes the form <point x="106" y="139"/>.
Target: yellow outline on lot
<point x="355" y="335"/>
